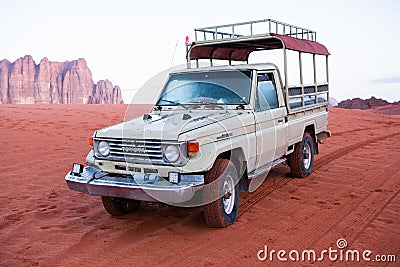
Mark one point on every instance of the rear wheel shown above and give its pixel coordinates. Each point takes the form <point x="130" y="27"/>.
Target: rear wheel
<point x="225" y="189"/>
<point x="301" y="160"/>
<point x="119" y="206"/>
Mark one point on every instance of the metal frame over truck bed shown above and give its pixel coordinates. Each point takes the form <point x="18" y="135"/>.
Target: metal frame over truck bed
<point x="224" y="42"/>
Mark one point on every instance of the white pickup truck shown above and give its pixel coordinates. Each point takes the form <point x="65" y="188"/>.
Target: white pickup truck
<point x="215" y="131"/>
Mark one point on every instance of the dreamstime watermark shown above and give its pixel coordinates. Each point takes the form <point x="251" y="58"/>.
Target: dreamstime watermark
<point x="339" y="253"/>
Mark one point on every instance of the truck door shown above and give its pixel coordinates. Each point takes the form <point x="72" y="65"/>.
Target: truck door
<point x="270" y="116"/>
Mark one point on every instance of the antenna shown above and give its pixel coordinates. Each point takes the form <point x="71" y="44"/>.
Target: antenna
<point x="173" y="55"/>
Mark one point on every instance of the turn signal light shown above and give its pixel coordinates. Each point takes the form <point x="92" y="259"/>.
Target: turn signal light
<point x="193" y="147"/>
<point x="90" y="141"/>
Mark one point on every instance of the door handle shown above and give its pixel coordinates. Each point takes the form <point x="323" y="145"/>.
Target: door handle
<point x="280" y="120"/>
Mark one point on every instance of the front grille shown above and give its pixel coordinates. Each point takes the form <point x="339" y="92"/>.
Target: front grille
<point x="135" y="151"/>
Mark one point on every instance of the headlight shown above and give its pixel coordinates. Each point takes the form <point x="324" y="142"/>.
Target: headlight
<point x="103" y="148"/>
<point x="171" y="153"/>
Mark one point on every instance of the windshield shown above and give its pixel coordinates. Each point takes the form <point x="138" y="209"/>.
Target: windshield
<point x="213" y="87"/>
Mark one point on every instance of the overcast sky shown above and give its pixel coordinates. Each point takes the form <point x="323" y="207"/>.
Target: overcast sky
<point x="127" y="42"/>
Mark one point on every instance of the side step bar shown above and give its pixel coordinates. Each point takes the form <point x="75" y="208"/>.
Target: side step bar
<point x="265" y="169"/>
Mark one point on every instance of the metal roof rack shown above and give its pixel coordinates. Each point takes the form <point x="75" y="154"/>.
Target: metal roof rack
<point x="235" y="42"/>
<point x="249" y="29"/>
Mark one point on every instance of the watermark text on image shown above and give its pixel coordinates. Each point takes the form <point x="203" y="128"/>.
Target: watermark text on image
<point x="338" y="253"/>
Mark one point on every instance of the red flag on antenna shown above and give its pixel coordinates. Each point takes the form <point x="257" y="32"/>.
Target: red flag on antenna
<point x="187" y="40"/>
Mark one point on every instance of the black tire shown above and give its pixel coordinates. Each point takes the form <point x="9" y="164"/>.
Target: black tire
<point x="301" y="161"/>
<point x="119" y="206"/>
<point x="223" y="211"/>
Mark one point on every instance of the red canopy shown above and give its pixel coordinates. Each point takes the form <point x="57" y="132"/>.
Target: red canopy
<point x="301" y="45"/>
<point x="239" y="49"/>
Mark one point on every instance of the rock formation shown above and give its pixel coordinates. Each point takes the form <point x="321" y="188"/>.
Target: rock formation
<point x="358" y="103"/>
<point x="104" y="92"/>
<point x="70" y="82"/>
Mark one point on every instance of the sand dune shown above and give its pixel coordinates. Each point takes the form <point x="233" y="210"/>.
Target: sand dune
<point x="352" y="194"/>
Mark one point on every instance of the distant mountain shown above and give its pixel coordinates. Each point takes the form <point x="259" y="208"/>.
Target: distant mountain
<point x="358" y="103"/>
<point x="70" y="82"/>
<point x="373" y="104"/>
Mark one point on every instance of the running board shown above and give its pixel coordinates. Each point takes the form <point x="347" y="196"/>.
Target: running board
<point x="265" y="169"/>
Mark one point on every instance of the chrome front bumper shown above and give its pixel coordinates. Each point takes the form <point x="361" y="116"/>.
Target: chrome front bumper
<point x="145" y="187"/>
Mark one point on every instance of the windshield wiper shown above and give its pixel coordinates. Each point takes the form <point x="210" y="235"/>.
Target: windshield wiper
<point x="172" y="102"/>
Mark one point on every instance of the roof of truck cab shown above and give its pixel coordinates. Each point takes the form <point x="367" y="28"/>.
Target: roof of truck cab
<point x="258" y="66"/>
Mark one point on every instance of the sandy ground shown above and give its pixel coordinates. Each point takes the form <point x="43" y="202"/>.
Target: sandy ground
<point x="352" y="194"/>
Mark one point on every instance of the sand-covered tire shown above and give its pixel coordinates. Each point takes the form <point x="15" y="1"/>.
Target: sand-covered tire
<point x="225" y="189"/>
<point x="119" y="206"/>
<point x="301" y="161"/>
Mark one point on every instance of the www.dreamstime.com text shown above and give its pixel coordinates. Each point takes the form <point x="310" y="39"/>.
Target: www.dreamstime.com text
<point x="338" y="254"/>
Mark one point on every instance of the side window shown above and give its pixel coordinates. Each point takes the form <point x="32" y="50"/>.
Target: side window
<point x="266" y="97"/>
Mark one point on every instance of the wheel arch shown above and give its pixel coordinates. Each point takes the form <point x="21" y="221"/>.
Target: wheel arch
<point x="311" y="130"/>
<point x="238" y="158"/>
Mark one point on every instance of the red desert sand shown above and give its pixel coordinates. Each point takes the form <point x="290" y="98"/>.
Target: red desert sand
<point x="352" y="194"/>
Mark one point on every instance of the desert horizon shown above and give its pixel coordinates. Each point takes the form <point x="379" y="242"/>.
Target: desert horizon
<point x="351" y="195"/>
<point x="71" y="82"/>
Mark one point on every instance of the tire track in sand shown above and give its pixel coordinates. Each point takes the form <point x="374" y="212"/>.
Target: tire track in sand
<point x="310" y="235"/>
<point x="278" y="181"/>
<point x="346" y="150"/>
<point x="344" y="225"/>
<point x="371" y="205"/>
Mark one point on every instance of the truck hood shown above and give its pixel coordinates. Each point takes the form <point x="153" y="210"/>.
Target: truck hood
<point x="166" y="125"/>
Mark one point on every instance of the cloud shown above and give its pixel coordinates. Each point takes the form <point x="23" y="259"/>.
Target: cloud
<point x="388" y="80"/>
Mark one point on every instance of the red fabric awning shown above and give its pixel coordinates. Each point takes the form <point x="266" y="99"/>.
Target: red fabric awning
<point x="303" y="45"/>
<point x="239" y="50"/>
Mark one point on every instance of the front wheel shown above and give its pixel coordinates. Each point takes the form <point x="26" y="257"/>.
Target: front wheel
<point x="119" y="206"/>
<point x="223" y="180"/>
<point x="301" y="160"/>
